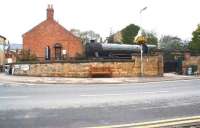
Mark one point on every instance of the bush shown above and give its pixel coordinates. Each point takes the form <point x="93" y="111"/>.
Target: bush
<point x="26" y="55"/>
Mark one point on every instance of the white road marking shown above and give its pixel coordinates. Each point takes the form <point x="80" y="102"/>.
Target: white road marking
<point x="120" y="94"/>
<point x="13" y="97"/>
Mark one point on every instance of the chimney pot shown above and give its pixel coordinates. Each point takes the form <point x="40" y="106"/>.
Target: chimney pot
<point x="50" y="12"/>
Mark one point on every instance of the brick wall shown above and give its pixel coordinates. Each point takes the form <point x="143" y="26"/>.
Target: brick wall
<point x="153" y="66"/>
<point x="2" y="56"/>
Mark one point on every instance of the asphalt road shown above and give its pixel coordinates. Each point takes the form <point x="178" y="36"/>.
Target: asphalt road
<point x="74" y="106"/>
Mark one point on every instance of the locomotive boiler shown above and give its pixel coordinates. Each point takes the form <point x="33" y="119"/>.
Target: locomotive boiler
<point x="110" y="50"/>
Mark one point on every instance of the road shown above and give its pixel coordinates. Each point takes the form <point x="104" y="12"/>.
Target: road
<point x="73" y="106"/>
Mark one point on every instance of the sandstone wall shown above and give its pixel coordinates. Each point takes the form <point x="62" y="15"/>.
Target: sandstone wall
<point x="193" y="60"/>
<point x="153" y="66"/>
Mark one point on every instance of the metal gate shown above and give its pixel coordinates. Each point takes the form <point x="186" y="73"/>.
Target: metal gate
<point x="170" y="66"/>
<point x="173" y="66"/>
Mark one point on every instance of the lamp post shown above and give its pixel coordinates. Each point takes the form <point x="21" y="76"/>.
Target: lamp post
<point x="141" y="59"/>
<point x="141" y="11"/>
<point x="141" y="40"/>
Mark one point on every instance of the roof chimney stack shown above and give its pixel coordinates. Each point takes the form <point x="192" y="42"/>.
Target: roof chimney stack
<point x="50" y="12"/>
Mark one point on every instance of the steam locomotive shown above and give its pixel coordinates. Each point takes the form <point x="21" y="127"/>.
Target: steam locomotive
<point x="110" y="50"/>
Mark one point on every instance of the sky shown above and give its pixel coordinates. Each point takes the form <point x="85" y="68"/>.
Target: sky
<point x="164" y="17"/>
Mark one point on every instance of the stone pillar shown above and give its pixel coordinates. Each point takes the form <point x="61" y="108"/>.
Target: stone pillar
<point x="187" y="55"/>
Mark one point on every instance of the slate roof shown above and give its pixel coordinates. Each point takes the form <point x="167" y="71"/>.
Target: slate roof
<point x="16" y="46"/>
<point x="2" y="37"/>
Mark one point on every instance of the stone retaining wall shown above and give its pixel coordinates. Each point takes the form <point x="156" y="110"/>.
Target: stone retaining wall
<point x="193" y="60"/>
<point x="153" y="66"/>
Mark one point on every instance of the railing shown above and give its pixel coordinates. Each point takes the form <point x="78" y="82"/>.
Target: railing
<point x="73" y="60"/>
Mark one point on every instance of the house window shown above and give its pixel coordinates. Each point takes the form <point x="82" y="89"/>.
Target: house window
<point x="47" y="53"/>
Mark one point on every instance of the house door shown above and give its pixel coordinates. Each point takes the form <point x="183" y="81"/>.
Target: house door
<point x="58" y="50"/>
<point x="58" y="53"/>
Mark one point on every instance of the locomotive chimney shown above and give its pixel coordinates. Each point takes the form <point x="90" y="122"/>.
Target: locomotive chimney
<point x="92" y="41"/>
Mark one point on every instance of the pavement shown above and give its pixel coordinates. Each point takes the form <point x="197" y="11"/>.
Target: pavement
<point x="62" y="80"/>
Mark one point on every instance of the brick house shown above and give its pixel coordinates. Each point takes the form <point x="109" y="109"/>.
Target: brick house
<point x="2" y="56"/>
<point x="115" y="38"/>
<point x="51" y="41"/>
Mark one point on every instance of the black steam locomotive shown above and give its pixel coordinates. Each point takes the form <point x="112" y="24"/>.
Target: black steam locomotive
<point x="110" y="50"/>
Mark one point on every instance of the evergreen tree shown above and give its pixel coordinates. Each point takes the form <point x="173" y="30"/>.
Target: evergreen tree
<point x="194" y="45"/>
<point x="129" y="33"/>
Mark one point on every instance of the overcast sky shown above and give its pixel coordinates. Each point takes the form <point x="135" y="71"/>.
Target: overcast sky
<point x="165" y="17"/>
